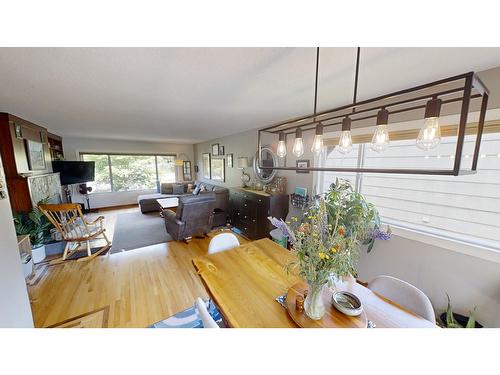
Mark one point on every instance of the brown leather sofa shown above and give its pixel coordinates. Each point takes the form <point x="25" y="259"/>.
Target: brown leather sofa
<point x="194" y="216"/>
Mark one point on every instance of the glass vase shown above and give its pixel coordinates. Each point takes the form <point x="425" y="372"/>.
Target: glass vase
<point x="314" y="306"/>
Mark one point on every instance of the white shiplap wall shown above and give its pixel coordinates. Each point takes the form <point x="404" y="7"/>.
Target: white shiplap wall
<point x="464" y="207"/>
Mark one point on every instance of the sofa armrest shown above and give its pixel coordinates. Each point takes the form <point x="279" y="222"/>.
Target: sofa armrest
<point x="171" y="216"/>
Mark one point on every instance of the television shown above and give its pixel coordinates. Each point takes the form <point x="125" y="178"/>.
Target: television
<point x="74" y="172"/>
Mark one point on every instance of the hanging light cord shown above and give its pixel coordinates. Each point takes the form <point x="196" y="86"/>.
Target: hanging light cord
<point x="356" y="76"/>
<point x="316" y="84"/>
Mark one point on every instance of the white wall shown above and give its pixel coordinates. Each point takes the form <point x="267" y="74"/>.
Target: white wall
<point x="470" y="281"/>
<point x="73" y="147"/>
<point x="245" y="144"/>
<point x="15" y="309"/>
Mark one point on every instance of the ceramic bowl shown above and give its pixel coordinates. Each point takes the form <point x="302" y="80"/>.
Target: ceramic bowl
<point x="347" y="303"/>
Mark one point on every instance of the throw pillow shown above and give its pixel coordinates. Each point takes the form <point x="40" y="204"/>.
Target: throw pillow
<point x="177" y="189"/>
<point x="190" y="188"/>
<point x="203" y="188"/>
<point x="196" y="190"/>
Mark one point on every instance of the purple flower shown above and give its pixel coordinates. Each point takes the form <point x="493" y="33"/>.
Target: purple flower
<point x="281" y="225"/>
<point x="378" y="234"/>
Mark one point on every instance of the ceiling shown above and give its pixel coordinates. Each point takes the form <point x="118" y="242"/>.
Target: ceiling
<point x="189" y="95"/>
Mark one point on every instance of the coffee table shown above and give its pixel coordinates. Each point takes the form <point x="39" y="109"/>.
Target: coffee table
<point x="168" y="204"/>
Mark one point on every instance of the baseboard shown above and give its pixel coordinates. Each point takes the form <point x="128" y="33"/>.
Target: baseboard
<point x="109" y="208"/>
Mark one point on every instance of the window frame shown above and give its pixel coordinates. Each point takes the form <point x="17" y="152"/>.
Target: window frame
<point x="110" y="171"/>
<point x="465" y="244"/>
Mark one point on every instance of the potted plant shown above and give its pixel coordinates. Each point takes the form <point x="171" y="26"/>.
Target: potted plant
<point x="36" y="225"/>
<point x="327" y="240"/>
<point x="454" y="320"/>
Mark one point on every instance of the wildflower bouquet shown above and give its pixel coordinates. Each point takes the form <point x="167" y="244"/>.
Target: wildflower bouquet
<point x="327" y="240"/>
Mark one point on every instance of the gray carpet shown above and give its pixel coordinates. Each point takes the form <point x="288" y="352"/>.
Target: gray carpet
<point x="134" y="230"/>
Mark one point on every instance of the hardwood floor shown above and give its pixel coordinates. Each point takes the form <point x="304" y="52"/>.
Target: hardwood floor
<point x="136" y="288"/>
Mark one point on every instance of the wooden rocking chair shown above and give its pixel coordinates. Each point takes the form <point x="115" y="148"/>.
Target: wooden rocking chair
<point x="75" y="229"/>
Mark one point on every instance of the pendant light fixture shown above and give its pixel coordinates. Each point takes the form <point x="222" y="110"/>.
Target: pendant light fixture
<point x="298" y="144"/>
<point x="317" y="145"/>
<point x="380" y="140"/>
<point x="281" y="151"/>
<point x="459" y="90"/>
<point x="430" y="134"/>
<point x="345" y="141"/>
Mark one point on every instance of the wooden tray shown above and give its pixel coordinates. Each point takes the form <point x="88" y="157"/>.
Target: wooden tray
<point x="332" y="318"/>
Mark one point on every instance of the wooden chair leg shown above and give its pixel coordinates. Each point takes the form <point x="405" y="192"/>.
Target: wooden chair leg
<point x="89" y="252"/>
<point x="66" y="248"/>
<point x="106" y="238"/>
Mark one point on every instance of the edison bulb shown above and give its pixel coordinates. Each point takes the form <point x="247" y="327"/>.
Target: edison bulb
<point x="345" y="142"/>
<point x="430" y="134"/>
<point x="281" y="151"/>
<point x="380" y="140"/>
<point x="298" y="147"/>
<point x="317" y="145"/>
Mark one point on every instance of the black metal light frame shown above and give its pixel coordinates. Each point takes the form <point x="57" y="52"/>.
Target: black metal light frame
<point x="471" y="88"/>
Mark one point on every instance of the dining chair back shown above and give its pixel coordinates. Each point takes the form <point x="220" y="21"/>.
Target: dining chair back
<point x="222" y="242"/>
<point x="404" y="294"/>
<point x="206" y="318"/>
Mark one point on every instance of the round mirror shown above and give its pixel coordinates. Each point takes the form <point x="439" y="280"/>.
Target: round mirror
<point x="269" y="159"/>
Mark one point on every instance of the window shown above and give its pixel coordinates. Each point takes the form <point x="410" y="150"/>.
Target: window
<point x="465" y="208"/>
<point x="117" y="173"/>
<point x="102" y="181"/>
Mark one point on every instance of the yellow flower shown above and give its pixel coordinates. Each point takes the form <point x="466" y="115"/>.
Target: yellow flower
<point x="334" y="249"/>
<point x="323" y="255"/>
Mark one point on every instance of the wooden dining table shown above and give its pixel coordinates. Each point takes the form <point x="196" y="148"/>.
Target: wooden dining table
<point x="245" y="281"/>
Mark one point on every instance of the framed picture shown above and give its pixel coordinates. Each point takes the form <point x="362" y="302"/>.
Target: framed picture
<point x="221" y="150"/>
<point x="186" y="171"/>
<point x="302" y="164"/>
<point x="36" y="156"/>
<point x="301" y="191"/>
<point x="206" y="166"/>
<point x="230" y="160"/>
<point x="215" y="149"/>
<point x="218" y="170"/>
<point x="19" y="131"/>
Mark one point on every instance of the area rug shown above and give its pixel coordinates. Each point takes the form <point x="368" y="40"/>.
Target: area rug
<point x="134" y="230"/>
<point x="189" y="318"/>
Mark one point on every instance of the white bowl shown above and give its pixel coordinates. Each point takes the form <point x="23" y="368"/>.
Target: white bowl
<point x="347" y="303"/>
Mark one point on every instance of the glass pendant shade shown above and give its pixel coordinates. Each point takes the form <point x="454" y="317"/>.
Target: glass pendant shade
<point x="380" y="140"/>
<point x="298" y="144"/>
<point x="430" y="134"/>
<point x="345" y="142"/>
<point x="281" y="151"/>
<point x="317" y="145"/>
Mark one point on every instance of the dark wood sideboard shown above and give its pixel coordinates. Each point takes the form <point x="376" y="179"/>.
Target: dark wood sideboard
<point x="249" y="211"/>
<point x="15" y="160"/>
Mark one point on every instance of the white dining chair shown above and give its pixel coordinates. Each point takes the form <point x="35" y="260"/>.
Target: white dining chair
<point x="222" y="242"/>
<point x="206" y="318"/>
<point x="404" y="294"/>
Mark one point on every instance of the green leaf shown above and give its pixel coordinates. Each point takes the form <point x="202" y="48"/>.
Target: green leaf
<point x="450" y="319"/>
<point x="471" y="323"/>
<point x="370" y="246"/>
